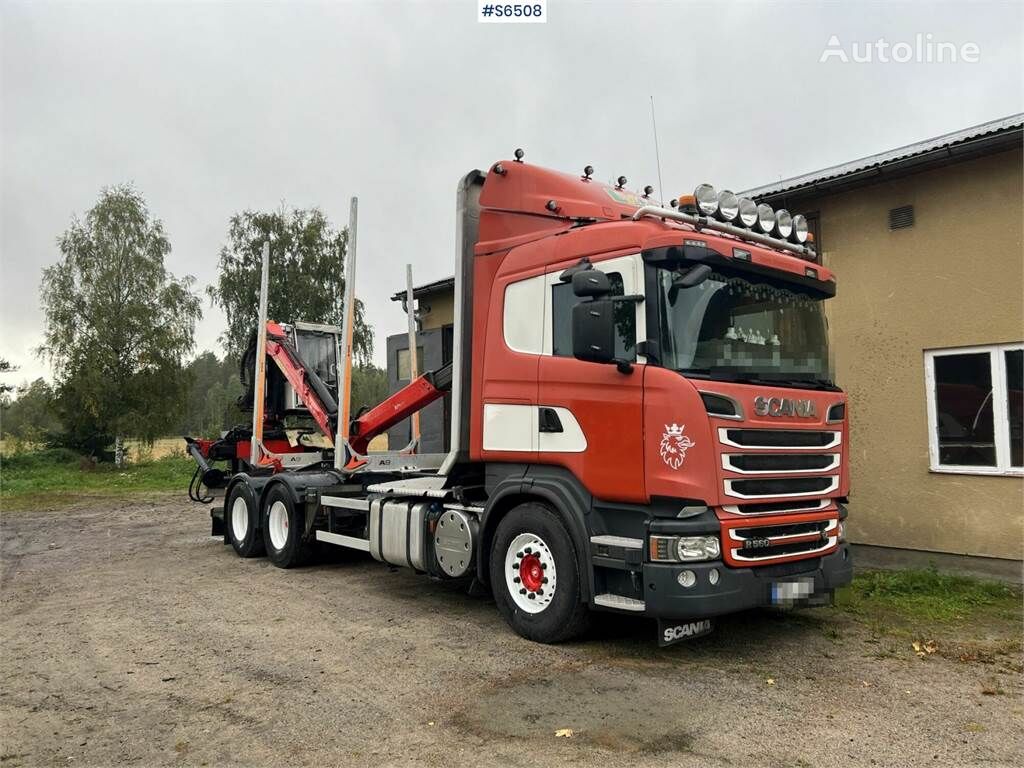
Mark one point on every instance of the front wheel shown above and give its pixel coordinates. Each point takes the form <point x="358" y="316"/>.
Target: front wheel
<point x="535" y="576"/>
<point x="284" y="529"/>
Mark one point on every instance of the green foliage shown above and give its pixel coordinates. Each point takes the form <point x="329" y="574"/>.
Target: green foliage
<point x="928" y="595"/>
<point x="6" y="367"/>
<point x="210" y="407"/>
<point x="306" y="275"/>
<point x="369" y="386"/>
<point x="24" y="476"/>
<point x="117" y="324"/>
<point x="30" y="417"/>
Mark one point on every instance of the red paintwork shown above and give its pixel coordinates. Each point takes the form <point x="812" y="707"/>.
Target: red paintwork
<point x="413" y="397"/>
<point x="296" y="376"/>
<point x="623" y="416"/>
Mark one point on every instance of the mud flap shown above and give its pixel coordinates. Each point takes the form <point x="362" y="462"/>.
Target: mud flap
<point x="672" y="632"/>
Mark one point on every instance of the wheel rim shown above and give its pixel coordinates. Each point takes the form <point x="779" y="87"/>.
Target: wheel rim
<point x="239" y="519"/>
<point x="530" y="572"/>
<point x="278" y="524"/>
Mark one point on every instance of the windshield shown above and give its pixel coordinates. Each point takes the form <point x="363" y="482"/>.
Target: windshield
<point x="733" y="326"/>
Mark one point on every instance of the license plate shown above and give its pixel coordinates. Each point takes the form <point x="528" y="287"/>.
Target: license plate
<point x="672" y="632"/>
<point x="790" y="592"/>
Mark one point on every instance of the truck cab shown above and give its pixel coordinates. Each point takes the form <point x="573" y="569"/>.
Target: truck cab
<point x="669" y="384"/>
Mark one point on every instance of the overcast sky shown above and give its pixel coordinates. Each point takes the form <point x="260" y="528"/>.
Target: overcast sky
<point x="210" y="109"/>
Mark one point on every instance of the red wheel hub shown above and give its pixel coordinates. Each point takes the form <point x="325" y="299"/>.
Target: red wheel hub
<point x="531" y="573"/>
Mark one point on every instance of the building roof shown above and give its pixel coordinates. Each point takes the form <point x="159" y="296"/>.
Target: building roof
<point x="987" y="138"/>
<point x="444" y="284"/>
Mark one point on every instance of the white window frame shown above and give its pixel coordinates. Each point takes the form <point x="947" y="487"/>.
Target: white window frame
<point x="1000" y="410"/>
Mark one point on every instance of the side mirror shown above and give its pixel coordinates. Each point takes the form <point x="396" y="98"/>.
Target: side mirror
<point x="593" y="330"/>
<point x="591" y="282"/>
<point x="695" y="275"/>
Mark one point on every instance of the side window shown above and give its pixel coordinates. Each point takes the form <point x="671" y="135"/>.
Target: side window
<point x="562" y="302"/>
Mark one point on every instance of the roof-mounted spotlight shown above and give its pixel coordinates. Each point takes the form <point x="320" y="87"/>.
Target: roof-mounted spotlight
<point x="728" y="205"/>
<point x="648" y="191"/>
<point x="621" y="182"/>
<point x="783" y="223"/>
<point x="500" y="169"/>
<point x="519" y="155"/>
<point x="588" y="171"/>
<point x="800" y="229"/>
<point x="765" y="218"/>
<point x="706" y="199"/>
<point x="748" y="212"/>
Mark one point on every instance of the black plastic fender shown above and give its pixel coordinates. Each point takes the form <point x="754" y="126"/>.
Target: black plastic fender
<point x="299" y="484"/>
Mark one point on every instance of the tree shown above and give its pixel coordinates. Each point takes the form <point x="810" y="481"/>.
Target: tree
<point x="369" y="386"/>
<point x="211" y="406"/>
<point x="307" y="257"/>
<point x="118" y="324"/>
<point x="30" y="417"/>
<point x="6" y="367"/>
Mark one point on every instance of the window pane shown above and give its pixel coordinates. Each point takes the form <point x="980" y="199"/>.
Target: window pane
<point x="963" y="405"/>
<point x="562" y="302"/>
<point x="403" y="363"/>
<point x="1015" y="404"/>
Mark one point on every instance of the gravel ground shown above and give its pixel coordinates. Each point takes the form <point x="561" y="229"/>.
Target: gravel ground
<point x="130" y="636"/>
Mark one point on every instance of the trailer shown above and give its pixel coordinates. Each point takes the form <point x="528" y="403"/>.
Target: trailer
<point x="642" y="417"/>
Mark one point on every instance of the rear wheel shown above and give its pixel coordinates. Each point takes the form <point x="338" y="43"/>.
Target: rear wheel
<point x="241" y="520"/>
<point x="284" y="529"/>
<point x="535" y="576"/>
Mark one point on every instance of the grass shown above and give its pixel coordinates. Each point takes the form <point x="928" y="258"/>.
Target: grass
<point x="24" y="477"/>
<point x="929" y="596"/>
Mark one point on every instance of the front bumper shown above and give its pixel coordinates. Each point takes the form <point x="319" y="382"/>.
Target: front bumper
<point x="738" y="589"/>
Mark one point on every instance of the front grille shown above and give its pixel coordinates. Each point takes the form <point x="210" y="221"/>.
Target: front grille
<point x="780" y="462"/>
<point x="775" y="507"/>
<point x="783" y="486"/>
<point x="768" y="542"/>
<point x="778" y="438"/>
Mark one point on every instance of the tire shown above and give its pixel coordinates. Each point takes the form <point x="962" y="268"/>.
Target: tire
<point x="241" y="521"/>
<point x="532" y="553"/>
<point x="284" y="529"/>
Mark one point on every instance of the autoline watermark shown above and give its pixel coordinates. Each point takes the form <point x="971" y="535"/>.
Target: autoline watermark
<point x="923" y="50"/>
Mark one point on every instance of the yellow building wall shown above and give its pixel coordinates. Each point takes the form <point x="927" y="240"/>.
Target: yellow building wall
<point x="442" y="309"/>
<point x="953" y="279"/>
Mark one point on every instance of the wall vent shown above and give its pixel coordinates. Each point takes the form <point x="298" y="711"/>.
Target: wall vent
<point x="902" y="217"/>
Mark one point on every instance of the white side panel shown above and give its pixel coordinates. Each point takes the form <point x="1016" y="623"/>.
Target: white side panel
<point x="570" y="440"/>
<point x="510" y="427"/>
<point x="523" y="322"/>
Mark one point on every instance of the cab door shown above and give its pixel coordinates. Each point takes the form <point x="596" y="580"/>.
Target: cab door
<point x="591" y="414"/>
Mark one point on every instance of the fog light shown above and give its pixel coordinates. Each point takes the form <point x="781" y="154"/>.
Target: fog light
<point x="713" y="576"/>
<point x="686" y="579"/>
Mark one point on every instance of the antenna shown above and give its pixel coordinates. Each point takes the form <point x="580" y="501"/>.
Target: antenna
<point x="657" y="154"/>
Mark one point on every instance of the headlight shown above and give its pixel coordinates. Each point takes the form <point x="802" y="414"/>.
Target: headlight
<point x="728" y="205"/>
<point x="800" y="228"/>
<point x="686" y="549"/>
<point x="841" y="531"/>
<point x="765" y="218"/>
<point x="748" y="212"/>
<point x="693" y="548"/>
<point x="783" y="223"/>
<point x="707" y="199"/>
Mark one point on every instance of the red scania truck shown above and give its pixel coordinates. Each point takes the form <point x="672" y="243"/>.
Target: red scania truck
<point x="642" y="418"/>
